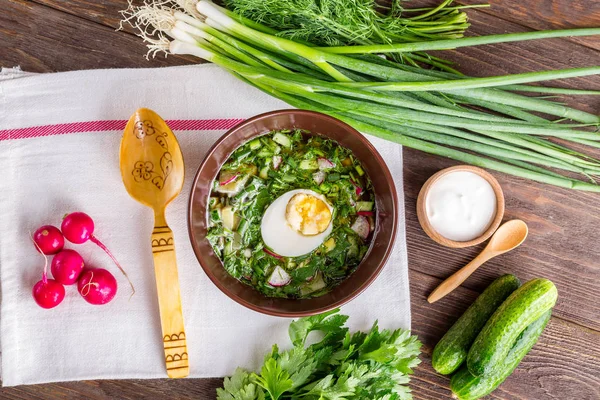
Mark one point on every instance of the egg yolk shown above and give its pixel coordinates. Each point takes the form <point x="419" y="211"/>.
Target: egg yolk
<point x="307" y="214"/>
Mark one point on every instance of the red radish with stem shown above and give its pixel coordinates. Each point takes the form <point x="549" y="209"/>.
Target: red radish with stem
<point x="47" y="293"/>
<point x="67" y="266"/>
<point x="78" y="227"/>
<point x="97" y="286"/>
<point x="48" y="240"/>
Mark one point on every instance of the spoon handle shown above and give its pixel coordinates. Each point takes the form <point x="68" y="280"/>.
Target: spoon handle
<point x="169" y="302"/>
<point x="454" y="280"/>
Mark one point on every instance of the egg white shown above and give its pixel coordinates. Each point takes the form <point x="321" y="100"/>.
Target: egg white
<point x="279" y="236"/>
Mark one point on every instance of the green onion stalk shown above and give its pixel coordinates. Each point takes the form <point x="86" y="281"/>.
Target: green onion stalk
<point x="480" y="121"/>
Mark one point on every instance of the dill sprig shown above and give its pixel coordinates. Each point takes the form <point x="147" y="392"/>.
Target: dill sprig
<point x="357" y="22"/>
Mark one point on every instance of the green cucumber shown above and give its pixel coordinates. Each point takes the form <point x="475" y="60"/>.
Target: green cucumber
<point x="255" y="144"/>
<point x="264" y="172"/>
<point x="495" y="340"/>
<point x="364" y="206"/>
<point x="282" y="139"/>
<point x="309" y="164"/>
<point x="451" y="351"/>
<point x="466" y="386"/>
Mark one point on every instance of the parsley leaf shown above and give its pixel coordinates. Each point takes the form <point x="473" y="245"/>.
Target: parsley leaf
<point x="240" y="387"/>
<point x="273" y="379"/>
<point x="333" y="326"/>
<point x="374" y="365"/>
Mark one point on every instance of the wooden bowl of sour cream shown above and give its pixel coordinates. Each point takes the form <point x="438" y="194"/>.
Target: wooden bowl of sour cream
<point x="460" y="206"/>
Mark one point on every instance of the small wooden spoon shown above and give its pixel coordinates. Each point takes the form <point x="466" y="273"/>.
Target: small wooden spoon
<point x="152" y="170"/>
<point x="507" y="237"/>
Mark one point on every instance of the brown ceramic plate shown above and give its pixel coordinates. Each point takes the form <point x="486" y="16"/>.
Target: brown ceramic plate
<point x="386" y="204"/>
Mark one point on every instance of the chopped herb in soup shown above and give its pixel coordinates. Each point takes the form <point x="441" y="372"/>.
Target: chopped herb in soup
<point x="291" y="214"/>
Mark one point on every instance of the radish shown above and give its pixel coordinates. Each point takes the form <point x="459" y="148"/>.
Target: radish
<point x="67" y="266"/>
<point x="276" y="162"/>
<point x="366" y="213"/>
<point x="97" y="286"/>
<point x="325" y="163"/>
<point x="279" y="277"/>
<point x="47" y="293"/>
<point x="362" y="227"/>
<point x="269" y="252"/>
<point x="359" y="190"/>
<point x="48" y="240"/>
<point x="227" y="177"/>
<point x="319" y="177"/>
<point x="78" y="227"/>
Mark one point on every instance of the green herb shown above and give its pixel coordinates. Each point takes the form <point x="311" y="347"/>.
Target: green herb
<point x="347" y="22"/>
<point x="372" y="365"/>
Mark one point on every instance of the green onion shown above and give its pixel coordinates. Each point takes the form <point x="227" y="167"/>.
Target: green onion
<point x="428" y="110"/>
<point x="472" y="83"/>
<point x="463" y="42"/>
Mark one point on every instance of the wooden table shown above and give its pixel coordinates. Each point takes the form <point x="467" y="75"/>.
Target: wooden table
<point x="61" y="35"/>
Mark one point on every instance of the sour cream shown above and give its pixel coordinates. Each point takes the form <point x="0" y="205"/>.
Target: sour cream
<point x="461" y="205"/>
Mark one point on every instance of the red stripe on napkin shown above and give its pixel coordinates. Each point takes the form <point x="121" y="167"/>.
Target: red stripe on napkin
<point x="114" y="125"/>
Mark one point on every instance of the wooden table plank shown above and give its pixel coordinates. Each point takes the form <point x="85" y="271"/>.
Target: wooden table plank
<point x="536" y="15"/>
<point x="518" y="57"/>
<point x="41" y="39"/>
<point x="106" y="12"/>
<point x="154" y="389"/>
<point x="547" y="14"/>
<point x="59" y="35"/>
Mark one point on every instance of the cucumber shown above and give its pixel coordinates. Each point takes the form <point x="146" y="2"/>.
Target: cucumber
<point x="309" y="164"/>
<point x="282" y="139"/>
<point x="264" y="172"/>
<point x="364" y="206"/>
<point x="451" y="351"/>
<point x="329" y="245"/>
<point x="495" y="340"/>
<point x="466" y="386"/>
<point x="255" y="144"/>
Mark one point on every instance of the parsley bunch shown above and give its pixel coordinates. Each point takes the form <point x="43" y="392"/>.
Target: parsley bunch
<point x="373" y="365"/>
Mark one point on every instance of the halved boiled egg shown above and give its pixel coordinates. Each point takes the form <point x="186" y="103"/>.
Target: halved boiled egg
<point x="296" y="223"/>
<point x="308" y="214"/>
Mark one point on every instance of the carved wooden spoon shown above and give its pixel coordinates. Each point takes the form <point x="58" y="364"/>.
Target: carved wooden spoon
<point x="507" y="237"/>
<point x="152" y="170"/>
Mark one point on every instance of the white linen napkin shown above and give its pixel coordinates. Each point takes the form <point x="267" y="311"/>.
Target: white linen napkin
<point x="68" y="161"/>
